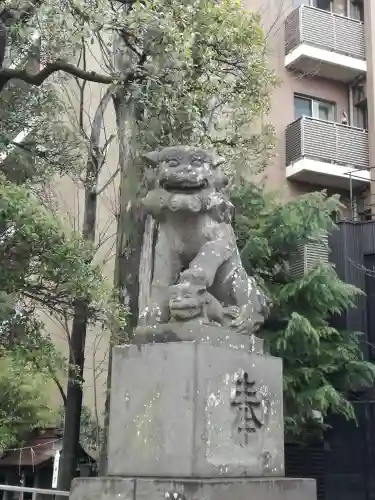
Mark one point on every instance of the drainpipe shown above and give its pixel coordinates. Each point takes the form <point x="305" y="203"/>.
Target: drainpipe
<point x="351" y="195"/>
<point x="369" y="8"/>
<point x="351" y="106"/>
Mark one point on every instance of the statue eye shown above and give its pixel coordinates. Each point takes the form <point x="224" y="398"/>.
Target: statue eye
<point x="172" y="162"/>
<point x="197" y="162"/>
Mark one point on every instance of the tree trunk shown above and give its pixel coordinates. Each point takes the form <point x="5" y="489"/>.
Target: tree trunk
<point x="68" y="462"/>
<point x="131" y="222"/>
<point x="74" y="396"/>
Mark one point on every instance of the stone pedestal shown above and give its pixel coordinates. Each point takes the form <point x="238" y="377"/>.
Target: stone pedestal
<point x="191" y="409"/>
<point x="188" y="489"/>
<point x="196" y="414"/>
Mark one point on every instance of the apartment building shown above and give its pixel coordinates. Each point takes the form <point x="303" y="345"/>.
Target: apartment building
<point x="324" y="107"/>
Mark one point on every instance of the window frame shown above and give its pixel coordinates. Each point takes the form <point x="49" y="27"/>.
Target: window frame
<point x="312" y="4"/>
<point x="360" y="106"/>
<point x="314" y="102"/>
<point x="361" y="109"/>
<point x="359" y="8"/>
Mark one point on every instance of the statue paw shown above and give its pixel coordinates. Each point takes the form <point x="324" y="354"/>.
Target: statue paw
<point x="237" y="322"/>
<point x="231" y="312"/>
<point x="241" y="320"/>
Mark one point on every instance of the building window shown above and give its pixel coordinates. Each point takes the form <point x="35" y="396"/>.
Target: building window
<point x="322" y="4"/>
<point x="356" y="10"/>
<point x="305" y="106"/>
<point x="360" y="113"/>
<point x="366" y="215"/>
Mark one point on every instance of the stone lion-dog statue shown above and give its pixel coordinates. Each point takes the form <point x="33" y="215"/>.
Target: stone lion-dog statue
<point x="196" y="246"/>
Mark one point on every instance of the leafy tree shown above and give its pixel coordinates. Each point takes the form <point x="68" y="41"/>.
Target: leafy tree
<point x="41" y="262"/>
<point x="42" y="267"/>
<point x="44" y="264"/>
<point x="192" y="71"/>
<point x="91" y="432"/>
<point x="49" y="267"/>
<point x="28" y="365"/>
<point x="203" y="80"/>
<point x="23" y="402"/>
<point x="322" y="364"/>
<point x="34" y="273"/>
<point x="35" y="143"/>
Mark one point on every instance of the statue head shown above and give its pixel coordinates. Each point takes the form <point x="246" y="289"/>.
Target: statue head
<point x="187" y="169"/>
<point x="186" y="301"/>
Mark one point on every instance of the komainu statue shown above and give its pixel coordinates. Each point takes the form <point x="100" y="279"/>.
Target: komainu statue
<point x="197" y="269"/>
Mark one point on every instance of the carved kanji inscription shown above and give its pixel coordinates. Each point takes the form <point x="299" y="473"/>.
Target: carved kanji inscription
<point x="247" y="405"/>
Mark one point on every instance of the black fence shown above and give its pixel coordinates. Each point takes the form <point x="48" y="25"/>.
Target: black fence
<point x="343" y="464"/>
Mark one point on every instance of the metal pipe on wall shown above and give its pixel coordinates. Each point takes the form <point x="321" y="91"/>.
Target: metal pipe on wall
<point x="348" y="5"/>
<point x="351" y="106"/>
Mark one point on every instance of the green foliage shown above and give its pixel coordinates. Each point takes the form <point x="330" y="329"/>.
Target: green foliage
<point x="194" y="70"/>
<point x="28" y="363"/>
<point x="91" y="432"/>
<point x="50" y="146"/>
<point x="321" y="363"/>
<point x="40" y="260"/>
<point x="37" y="268"/>
<point x="23" y="397"/>
<point x="202" y="83"/>
<point x="42" y="267"/>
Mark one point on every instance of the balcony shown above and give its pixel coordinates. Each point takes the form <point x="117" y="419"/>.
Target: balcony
<point x="325" y="44"/>
<point x="327" y="154"/>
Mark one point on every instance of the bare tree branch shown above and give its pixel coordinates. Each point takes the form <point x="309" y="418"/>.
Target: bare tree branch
<point x="104" y="149"/>
<point x="37" y="79"/>
<point x="108" y="182"/>
<point x="60" y="388"/>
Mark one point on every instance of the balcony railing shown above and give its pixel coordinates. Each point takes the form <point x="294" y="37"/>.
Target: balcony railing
<point x="324" y="30"/>
<point x="35" y="492"/>
<point x="327" y="142"/>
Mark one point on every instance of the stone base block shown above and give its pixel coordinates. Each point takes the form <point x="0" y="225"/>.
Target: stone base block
<point x="185" y="489"/>
<point x="191" y="409"/>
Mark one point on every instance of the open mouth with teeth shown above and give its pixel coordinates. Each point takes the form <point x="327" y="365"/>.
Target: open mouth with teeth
<point x="184" y="186"/>
<point x="185" y="312"/>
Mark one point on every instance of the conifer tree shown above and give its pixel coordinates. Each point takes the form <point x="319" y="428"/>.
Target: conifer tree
<point x="322" y="364"/>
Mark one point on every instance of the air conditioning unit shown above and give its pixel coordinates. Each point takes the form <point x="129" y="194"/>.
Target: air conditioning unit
<point x="309" y="256"/>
